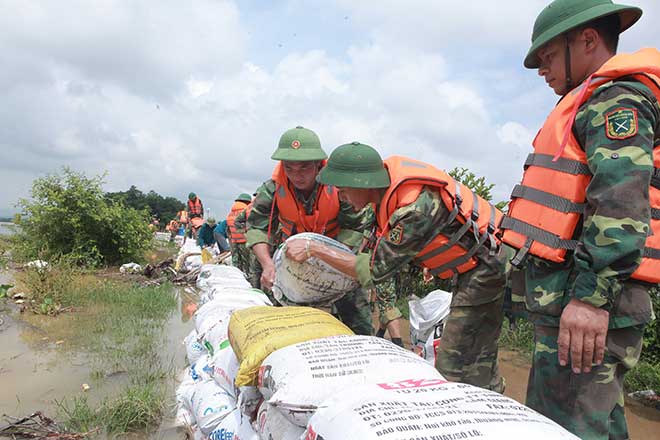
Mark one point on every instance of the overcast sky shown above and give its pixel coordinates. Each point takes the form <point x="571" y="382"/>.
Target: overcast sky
<point x="187" y="96"/>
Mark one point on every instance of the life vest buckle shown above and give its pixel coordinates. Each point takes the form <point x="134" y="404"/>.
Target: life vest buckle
<point x="518" y="260"/>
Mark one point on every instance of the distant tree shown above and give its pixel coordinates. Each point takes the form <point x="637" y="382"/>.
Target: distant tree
<point x="165" y="208"/>
<point x="476" y="184"/>
<point x="68" y="214"/>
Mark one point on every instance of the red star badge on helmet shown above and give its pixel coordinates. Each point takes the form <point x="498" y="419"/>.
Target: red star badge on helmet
<point x="295" y="144"/>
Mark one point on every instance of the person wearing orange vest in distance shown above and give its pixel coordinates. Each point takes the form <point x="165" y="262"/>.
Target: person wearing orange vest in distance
<point x="253" y="271"/>
<point x="173" y="228"/>
<point x="291" y="202"/>
<point x="586" y="217"/>
<point x="426" y="218"/>
<point x="195" y="211"/>
<point x="239" y="252"/>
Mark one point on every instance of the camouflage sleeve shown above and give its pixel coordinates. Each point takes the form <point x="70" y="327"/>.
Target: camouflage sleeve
<point x="348" y="218"/>
<point x="616" y="129"/>
<point x="411" y="228"/>
<point x="257" y="221"/>
<point x="240" y="221"/>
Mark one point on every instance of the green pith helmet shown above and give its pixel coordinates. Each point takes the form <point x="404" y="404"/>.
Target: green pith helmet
<point x="299" y="144"/>
<point x="355" y="165"/>
<point x="561" y="16"/>
<point x="191" y="196"/>
<point x="243" y="197"/>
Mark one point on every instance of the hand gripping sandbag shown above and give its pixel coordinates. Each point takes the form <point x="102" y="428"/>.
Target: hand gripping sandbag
<point x="256" y="332"/>
<point x="298" y="378"/>
<point x="313" y="282"/>
<point x="433" y="408"/>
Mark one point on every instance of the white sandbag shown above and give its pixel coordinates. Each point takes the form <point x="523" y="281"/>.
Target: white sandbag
<point x="201" y="370"/>
<point x="249" y="399"/>
<point x="184" y="391"/>
<point x="427" y="316"/>
<point x="298" y="378"/>
<point x="313" y="282"/>
<point x="194" y="349"/>
<point x="235" y="426"/>
<point x="130" y="268"/>
<point x="211" y="404"/>
<point x="271" y="424"/>
<point x="428" y="409"/>
<point x="226" y="301"/>
<point x="225" y="367"/>
<point x="228" y="292"/>
<point x="212" y="275"/>
<point x="192" y="262"/>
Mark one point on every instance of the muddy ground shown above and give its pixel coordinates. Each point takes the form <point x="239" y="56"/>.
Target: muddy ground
<point x="35" y="370"/>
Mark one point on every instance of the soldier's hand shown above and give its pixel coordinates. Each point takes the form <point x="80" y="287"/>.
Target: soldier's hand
<point x="298" y="250"/>
<point x="268" y="276"/>
<point x="582" y="332"/>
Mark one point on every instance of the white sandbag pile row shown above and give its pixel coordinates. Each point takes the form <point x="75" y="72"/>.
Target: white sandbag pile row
<point x="207" y="397"/>
<point x="297" y="373"/>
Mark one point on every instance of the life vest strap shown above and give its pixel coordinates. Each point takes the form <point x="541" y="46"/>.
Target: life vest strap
<point x="519" y="259"/>
<point x="655" y="178"/>
<point x="491" y="230"/>
<point x="452" y="241"/>
<point x="655" y="214"/>
<point x="547" y="199"/>
<point x="538" y="234"/>
<point x="652" y="253"/>
<point x="562" y="164"/>
<point x="451" y="265"/>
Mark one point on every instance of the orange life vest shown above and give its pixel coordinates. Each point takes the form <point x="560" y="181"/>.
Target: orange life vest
<point x="547" y="207"/>
<point x="443" y="256"/>
<point x="195" y="207"/>
<point x="236" y="236"/>
<point x="292" y="216"/>
<point x="183" y="217"/>
<point x="172" y="226"/>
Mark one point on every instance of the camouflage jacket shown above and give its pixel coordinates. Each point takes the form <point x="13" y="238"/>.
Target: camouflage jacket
<point x="240" y="222"/>
<point x="417" y="224"/>
<point x="257" y="221"/>
<point x="616" y="220"/>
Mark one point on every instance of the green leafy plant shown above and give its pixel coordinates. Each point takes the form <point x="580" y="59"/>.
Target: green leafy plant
<point x="68" y="214"/>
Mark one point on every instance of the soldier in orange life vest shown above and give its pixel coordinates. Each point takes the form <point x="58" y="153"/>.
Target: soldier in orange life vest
<point x="239" y="252"/>
<point x="586" y="217"/>
<point x="291" y="202"/>
<point x="426" y="218"/>
<point x="195" y="211"/>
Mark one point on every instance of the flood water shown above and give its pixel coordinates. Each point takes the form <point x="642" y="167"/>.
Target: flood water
<point x="36" y="371"/>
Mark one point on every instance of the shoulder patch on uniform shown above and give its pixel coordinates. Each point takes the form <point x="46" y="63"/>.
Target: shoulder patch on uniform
<point x="621" y="123"/>
<point x="396" y="234"/>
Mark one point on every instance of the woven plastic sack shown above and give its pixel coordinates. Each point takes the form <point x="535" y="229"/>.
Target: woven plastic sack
<point x="272" y="424"/>
<point x="256" y="332"/>
<point x="313" y="282"/>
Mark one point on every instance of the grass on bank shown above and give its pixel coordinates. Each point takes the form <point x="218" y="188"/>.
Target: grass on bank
<point x="119" y="327"/>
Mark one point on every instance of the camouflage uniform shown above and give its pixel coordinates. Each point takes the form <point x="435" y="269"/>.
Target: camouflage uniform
<point x="240" y="254"/>
<point x="611" y="240"/>
<point x="353" y="309"/>
<point x="468" y="352"/>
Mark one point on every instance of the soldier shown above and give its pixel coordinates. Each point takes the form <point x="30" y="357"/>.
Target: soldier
<point x="292" y="201"/>
<point x="585" y="217"/>
<point x="253" y="270"/>
<point x="239" y="252"/>
<point x="425" y="217"/>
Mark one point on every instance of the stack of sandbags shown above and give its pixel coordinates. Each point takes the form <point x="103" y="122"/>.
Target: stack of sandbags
<point x="208" y="400"/>
<point x="314" y="282"/>
<point x="427" y="320"/>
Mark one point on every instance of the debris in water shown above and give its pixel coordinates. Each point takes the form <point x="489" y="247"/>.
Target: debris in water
<point x="85" y="387"/>
<point x="37" y="426"/>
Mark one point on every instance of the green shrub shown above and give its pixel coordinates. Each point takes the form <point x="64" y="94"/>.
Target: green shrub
<point x="644" y="376"/>
<point x="49" y="288"/>
<point x="68" y="214"/>
<point x="651" y="350"/>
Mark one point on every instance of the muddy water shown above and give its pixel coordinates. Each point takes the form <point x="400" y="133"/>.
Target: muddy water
<point x="36" y="371"/>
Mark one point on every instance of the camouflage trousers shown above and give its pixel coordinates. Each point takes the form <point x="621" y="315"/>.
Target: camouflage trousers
<point x="590" y="405"/>
<point x="240" y="256"/>
<point x="254" y="270"/>
<point x="468" y="348"/>
<point x="353" y="309"/>
<point x="386" y="294"/>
